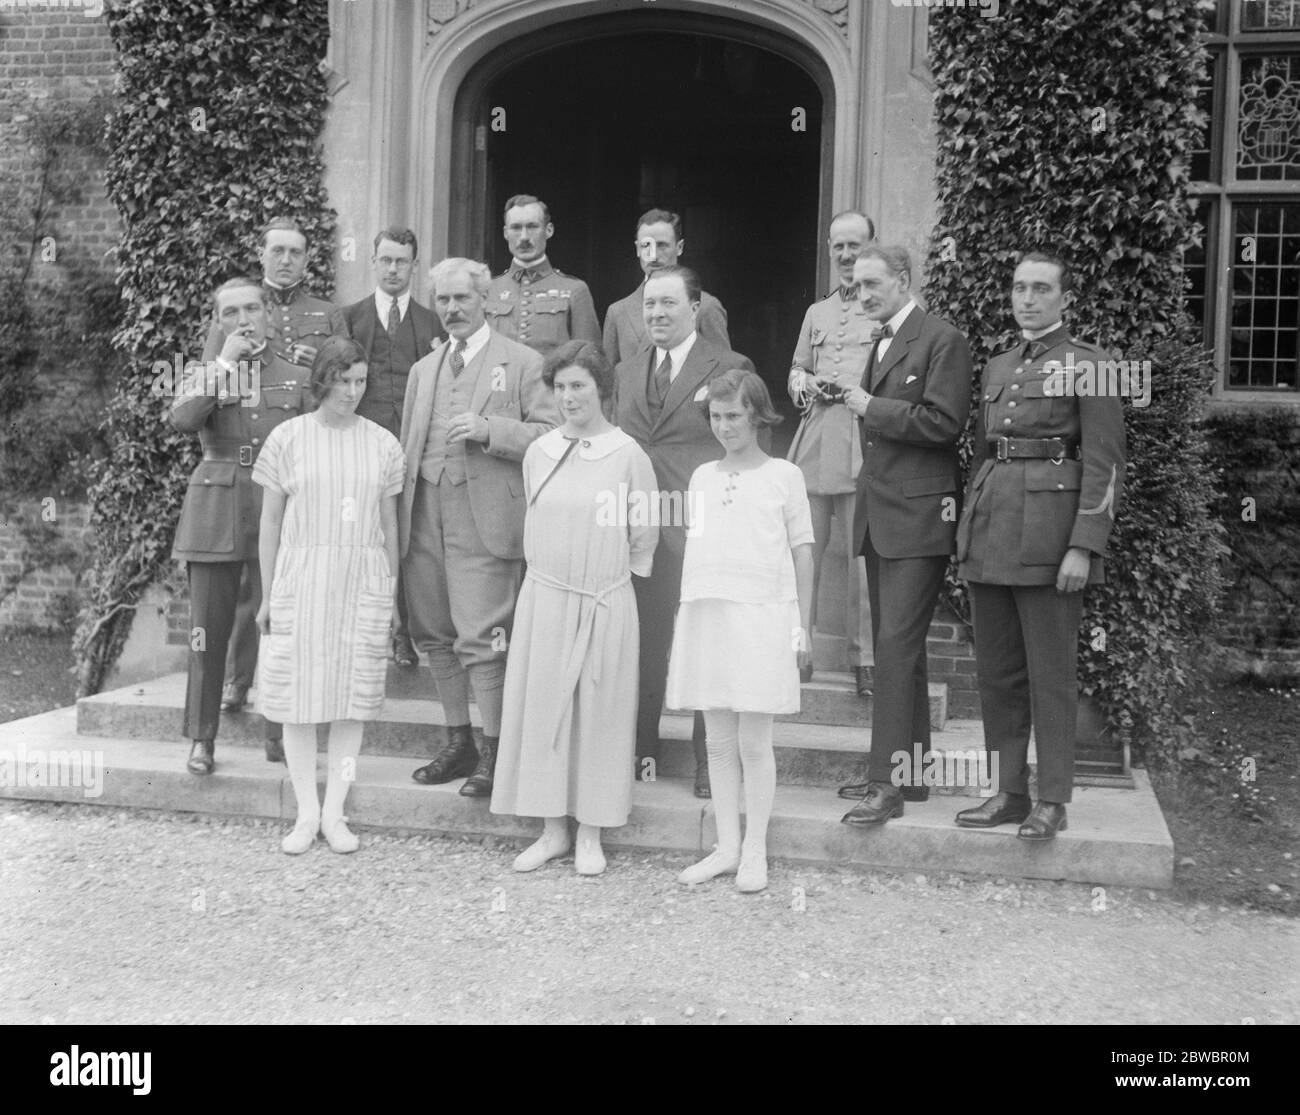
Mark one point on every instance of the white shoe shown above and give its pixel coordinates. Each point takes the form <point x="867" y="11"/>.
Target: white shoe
<point x="752" y="875"/>
<point x="538" y="853"/>
<point x="589" y="857"/>
<point x="340" y="838"/>
<point x="301" y="838"/>
<point x="715" y="864"/>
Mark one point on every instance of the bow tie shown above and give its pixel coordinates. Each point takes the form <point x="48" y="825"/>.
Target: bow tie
<point x="887" y="331"/>
<point x="532" y="274"/>
<point x="282" y="296"/>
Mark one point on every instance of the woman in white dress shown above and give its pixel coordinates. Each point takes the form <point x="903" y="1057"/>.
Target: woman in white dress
<point x="328" y="551"/>
<point x="568" y="720"/>
<point x="741" y="635"/>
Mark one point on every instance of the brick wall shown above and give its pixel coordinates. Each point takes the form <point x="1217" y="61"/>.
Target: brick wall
<point x="58" y="51"/>
<point x="38" y="597"/>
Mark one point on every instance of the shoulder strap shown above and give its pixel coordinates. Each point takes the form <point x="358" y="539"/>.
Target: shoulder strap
<point x="573" y="442"/>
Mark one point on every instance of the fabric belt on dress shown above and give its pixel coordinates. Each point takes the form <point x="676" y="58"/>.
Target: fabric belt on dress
<point x="583" y="639"/>
<point x="1035" y="448"/>
<point x="240" y="455"/>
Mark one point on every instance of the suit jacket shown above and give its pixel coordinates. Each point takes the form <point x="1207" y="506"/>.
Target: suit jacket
<point x="223" y="506"/>
<point x="909" y="486"/>
<point x="625" y="334"/>
<point x="303" y="318"/>
<point x="1021" y="515"/>
<point x="519" y="408"/>
<point x="383" y="402"/>
<point x="681" y="440"/>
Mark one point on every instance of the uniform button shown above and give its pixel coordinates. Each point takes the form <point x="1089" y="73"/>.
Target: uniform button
<point x="870" y="444"/>
<point x="837" y="359"/>
<point x="840" y="345"/>
<point x="844" y="321"/>
<point x="523" y="313"/>
<point x="206" y="480"/>
<point x="257" y="441"/>
<point x="253" y="416"/>
<point x="1006" y="421"/>
<point x="1015" y="387"/>
<point x="1019" y="371"/>
<point x="1060" y="487"/>
<point x="1012" y="403"/>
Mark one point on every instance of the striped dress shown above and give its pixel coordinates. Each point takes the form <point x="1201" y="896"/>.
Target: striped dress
<point x="332" y="595"/>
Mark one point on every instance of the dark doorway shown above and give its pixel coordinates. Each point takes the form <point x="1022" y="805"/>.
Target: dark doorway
<point x="607" y="125"/>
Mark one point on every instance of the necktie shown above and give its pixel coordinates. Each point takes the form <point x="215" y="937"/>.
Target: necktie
<point x="394" y="317"/>
<point x="848" y="293"/>
<point x="1032" y="349"/>
<point x="458" y="359"/>
<point x="528" y="273"/>
<point x="664" y="377"/>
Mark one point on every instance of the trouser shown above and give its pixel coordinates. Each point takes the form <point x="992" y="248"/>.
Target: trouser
<point x="857" y="602"/>
<point x="1026" y="656"/>
<point x="460" y="602"/>
<point x="241" y="656"/>
<point x="657" y="597"/>
<point x="214" y="591"/>
<point x="402" y="632"/>
<point x="904" y="592"/>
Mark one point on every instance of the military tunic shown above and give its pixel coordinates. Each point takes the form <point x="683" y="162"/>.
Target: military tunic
<point x="541" y="307"/>
<point x="1021" y="516"/>
<point x="293" y="317"/>
<point x="218" y="527"/>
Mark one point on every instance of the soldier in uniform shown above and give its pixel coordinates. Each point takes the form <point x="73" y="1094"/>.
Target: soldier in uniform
<point x="833" y="347"/>
<point x="532" y="302"/>
<point x="232" y="403"/>
<point x="1046" y="481"/>
<point x="659" y="242"/>
<point x="295" y="326"/>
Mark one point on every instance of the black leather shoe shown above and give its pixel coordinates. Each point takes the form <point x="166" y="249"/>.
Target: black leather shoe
<point x="915" y="793"/>
<point x="1001" y="809"/>
<point x="853" y="791"/>
<point x="805" y="674"/>
<point x="404" y="653"/>
<point x="202" y="757"/>
<point x="275" y="750"/>
<point x="863" y="680"/>
<point x="233" y="697"/>
<point x="702" y="787"/>
<point x="1044" y="822"/>
<point x="882" y="802"/>
<point x="457" y="758"/>
<point x="479" y="784"/>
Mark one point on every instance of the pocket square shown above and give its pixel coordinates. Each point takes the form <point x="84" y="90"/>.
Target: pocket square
<point x="908" y="380"/>
<point x="701" y="394"/>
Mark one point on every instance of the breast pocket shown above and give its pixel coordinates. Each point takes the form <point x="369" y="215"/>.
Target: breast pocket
<point x="499" y="309"/>
<point x="210" y="510"/>
<point x="1034" y="394"/>
<point x="1051" y="502"/>
<point x="990" y="403"/>
<point x="284" y="399"/>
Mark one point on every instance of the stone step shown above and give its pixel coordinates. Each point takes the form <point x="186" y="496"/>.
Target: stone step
<point x="807" y="753"/>
<point x="1116" y="837"/>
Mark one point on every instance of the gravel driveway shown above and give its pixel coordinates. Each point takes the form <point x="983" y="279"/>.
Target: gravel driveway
<point x="114" y="916"/>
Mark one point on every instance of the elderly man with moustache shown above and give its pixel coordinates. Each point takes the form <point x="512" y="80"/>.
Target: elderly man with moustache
<point x="656" y="399"/>
<point x="296" y="324"/>
<point x="833" y="347"/>
<point x="217" y="533"/>
<point x="659" y="244"/>
<point x="395" y="331"/>
<point x="472" y="407"/>
<point x="532" y="302"/>
<point x="912" y="404"/>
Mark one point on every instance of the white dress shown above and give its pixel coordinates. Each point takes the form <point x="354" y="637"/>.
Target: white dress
<point x="332" y="594"/>
<point x="735" y="642"/>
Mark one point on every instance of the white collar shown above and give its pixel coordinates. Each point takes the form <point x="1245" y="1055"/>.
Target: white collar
<point x="383" y="300"/>
<point x="678" y="354"/>
<point x="553" y="443"/>
<point x="540" y="261"/>
<point x="896" y="322"/>
<point x="473" y="343"/>
<point x="1038" y="334"/>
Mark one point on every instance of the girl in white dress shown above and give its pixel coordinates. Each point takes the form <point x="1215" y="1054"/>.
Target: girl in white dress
<point x="741" y="635"/>
<point x="328" y="551"/>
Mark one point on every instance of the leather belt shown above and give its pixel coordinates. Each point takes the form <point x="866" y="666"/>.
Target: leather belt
<point x="1035" y="448"/>
<point x="244" y="455"/>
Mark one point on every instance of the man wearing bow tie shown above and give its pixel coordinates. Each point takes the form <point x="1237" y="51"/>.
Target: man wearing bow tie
<point x="1047" y="475"/>
<point x="473" y="406"/>
<point x="296" y="323"/>
<point x="395" y="331"/>
<point x="657" y="395"/>
<point x="912" y="405"/>
<point x="532" y="302"/>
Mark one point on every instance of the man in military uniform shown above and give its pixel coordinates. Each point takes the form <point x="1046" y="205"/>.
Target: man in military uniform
<point x="659" y="242"/>
<point x="395" y="331"/>
<point x="532" y="302"/>
<point x="1047" y="475"/>
<point x="295" y="326"/>
<point x="832" y="350"/>
<point x="232" y="402"/>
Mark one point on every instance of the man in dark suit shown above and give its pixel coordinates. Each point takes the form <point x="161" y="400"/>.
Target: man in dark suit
<point x="912" y="403"/>
<point x="296" y="323"/>
<point x="232" y="402"/>
<point x="1046" y="479"/>
<point x="395" y="331"/>
<point x="659" y="242"/>
<point x="655" y="401"/>
<point x="472" y="408"/>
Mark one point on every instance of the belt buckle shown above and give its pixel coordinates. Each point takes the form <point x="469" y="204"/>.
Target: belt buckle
<point x="1004" y="449"/>
<point x="246" y="456"/>
<point x="1058" y="458"/>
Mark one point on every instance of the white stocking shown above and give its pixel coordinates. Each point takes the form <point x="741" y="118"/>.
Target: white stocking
<point x="300" y="758"/>
<point x="759" y="764"/>
<point x="344" y="747"/>
<point x="724" y="778"/>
